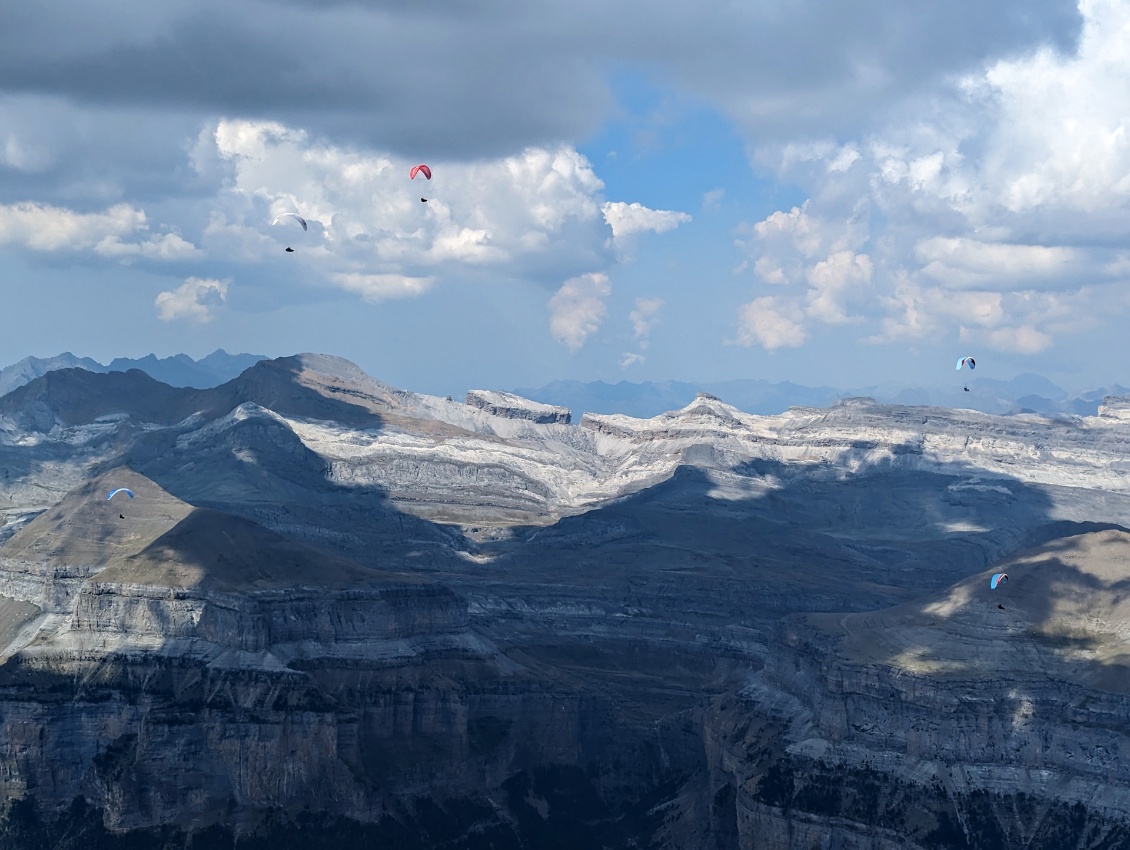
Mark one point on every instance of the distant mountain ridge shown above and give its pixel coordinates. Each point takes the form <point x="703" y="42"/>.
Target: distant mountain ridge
<point x="180" y="370"/>
<point x="1026" y="393"/>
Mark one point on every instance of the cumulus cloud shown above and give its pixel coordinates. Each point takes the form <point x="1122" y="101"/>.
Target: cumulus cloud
<point x="194" y="300"/>
<point x="814" y="261"/>
<point x="96" y="105"/>
<point x="834" y="281"/>
<point x="577" y="309"/>
<point x="994" y="210"/>
<point x="532" y="214"/>
<point x="771" y="323"/>
<point x="44" y="228"/>
<point x="629" y="219"/>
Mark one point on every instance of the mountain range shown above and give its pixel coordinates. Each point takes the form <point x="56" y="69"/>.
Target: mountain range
<point x="179" y="370"/>
<point x="337" y="610"/>
<point x="1025" y="393"/>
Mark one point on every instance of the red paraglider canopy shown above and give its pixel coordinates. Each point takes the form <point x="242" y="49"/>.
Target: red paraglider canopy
<point x="420" y="169"/>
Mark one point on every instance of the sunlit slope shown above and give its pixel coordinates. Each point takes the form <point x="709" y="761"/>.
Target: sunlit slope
<point x="156" y="539"/>
<point x="86" y="529"/>
<point x="1064" y="613"/>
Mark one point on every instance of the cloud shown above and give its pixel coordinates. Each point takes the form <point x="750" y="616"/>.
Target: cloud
<point x="44" y="228"/>
<point x="834" y="282"/>
<point x="384" y="74"/>
<point x="629" y="219"/>
<point x="380" y="287"/>
<point x="993" y="209"/>
<point x="712" y="200"/>
<point x="532" y="214"/>
<point x="970" y="263"/>
<point x="577" y="309"/>
<point x="771" y="323"/>
<point x="644" y="318"/>
<point x="1023" y="340"/>
<point x="193" y="300"/>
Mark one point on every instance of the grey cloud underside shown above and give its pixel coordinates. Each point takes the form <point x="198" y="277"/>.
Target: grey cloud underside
<point x="403" y="77"/>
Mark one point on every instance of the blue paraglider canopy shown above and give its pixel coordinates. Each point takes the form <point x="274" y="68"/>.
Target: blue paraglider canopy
<point x="998" y="579"/>
<point x="125" y="490"/>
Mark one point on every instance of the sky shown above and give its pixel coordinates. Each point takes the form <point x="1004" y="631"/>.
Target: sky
<point x="832" y="193"/>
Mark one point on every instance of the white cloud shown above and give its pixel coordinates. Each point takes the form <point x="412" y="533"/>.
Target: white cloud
<point x="193" y="300"/>
<point x="834" y="281"/>
<point x="970" y="263"/>
<point x="1023" y="340"/>
<point x="45" y="228"/>
<point x="630" y="358"/>
<point x="534" y="213"/>
<point x="578" y="309"/>
<point x="712" y="200"/>
<point x="994" y="210"/>
<point x="767" y="269"/>
<point x="771" y="323"/>
<point x="380" y="287"/>
<point x="628" y="219"/>
<point x="645" y="317"/>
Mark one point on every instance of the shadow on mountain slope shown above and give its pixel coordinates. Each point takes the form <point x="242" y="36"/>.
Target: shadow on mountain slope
<point x="621" y="620"/>
<point x="734" y="547"/>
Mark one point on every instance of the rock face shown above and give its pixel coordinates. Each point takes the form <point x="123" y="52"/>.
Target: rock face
<point x="947" y="721"/>
<point x="440" y="624"/>
<point x="511" y="406"/>
<point x="1116" y="408"/>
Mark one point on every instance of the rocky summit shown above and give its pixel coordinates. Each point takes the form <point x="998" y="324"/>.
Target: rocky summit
<point x="333" y="610"/>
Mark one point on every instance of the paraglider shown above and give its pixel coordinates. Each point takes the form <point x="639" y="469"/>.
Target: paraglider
<point x="966" y="389"/>
<point x="125" y="490"/>
<point x="997" y="580"/>
<point x="420" y="169"/>
<point x="1001" y="607"/>
<point x="121" y="516"/>
<point x="972" y="363"/>
<point x="296" y="217"/>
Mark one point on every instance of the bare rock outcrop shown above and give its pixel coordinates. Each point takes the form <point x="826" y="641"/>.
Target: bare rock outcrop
<point x="513" y="406"/>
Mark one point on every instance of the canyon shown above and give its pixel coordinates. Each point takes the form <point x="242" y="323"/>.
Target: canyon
<point x="339" y="608"/>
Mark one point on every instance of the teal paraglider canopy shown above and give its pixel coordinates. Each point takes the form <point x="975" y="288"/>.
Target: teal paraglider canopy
<point x="997" y="580"/>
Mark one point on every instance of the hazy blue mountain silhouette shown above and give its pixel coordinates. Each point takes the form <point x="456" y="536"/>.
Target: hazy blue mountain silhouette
<point x="1024" y="393"/>
<point x="180" y="370"/>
